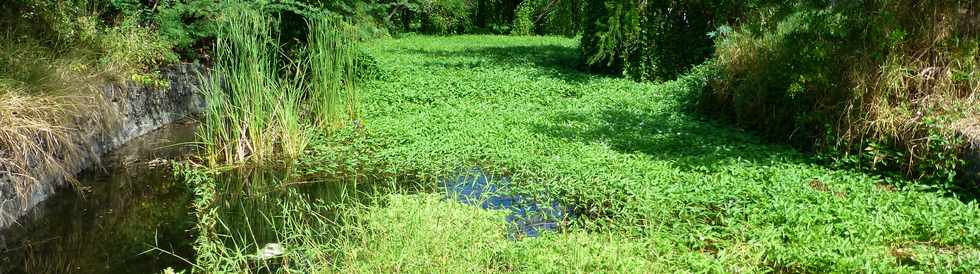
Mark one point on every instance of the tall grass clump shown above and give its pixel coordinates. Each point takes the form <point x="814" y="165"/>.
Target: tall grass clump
<point x="49" y="103"/>
<point x="332" y="52"/>
<point x="261" y="101"/>
<point x="243" y="90"/>
<point x="38" y="138"/>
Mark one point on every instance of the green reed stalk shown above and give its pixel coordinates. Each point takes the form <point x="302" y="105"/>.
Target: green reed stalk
<point x="242" y="92"/>
<point x="256" y="115"/>
<point x="293" y="134"/>
<point x="332" y="65"/>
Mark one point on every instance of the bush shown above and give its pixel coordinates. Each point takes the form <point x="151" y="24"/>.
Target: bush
<point x="882" y="85"/>
<point x="429" y="16"/>
<point x="187" y="24"/>
<point x="58" y="22"/>
<point x="523" y="24"/>
<point x="131" y="48"/>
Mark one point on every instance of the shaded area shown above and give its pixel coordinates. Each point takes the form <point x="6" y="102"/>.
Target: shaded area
<point x="113" y="216"/>
<point x="687" y="141"/>
<point x="133" y="215"/>
<point x="554" y="61"/>
<point x="528" y="217"/>
<point x="250" y="202"/>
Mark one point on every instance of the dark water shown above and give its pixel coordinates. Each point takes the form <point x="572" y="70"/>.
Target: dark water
<point x="528" y="216"/>
<point x="251" y="202"/>
<point x="134" y="216"/>
<point x="113" y="217"/>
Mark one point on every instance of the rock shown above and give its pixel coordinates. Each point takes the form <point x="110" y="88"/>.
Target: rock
<point x="271" y="250"/>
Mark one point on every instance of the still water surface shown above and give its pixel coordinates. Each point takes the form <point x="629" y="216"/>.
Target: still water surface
<point x="115" y="214"/>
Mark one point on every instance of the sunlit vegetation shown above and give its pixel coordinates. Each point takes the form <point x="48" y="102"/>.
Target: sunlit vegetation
<point x="255" y="112"/>
<point x="683" y="136"/>
<point x="55" y="56"/>
<point x="658" y="188"/>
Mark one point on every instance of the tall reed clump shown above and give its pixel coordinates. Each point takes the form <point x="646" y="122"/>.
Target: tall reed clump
<point x="332" y="52"/>
<point x="260" y="102"/>
<point x="243" y="91"/>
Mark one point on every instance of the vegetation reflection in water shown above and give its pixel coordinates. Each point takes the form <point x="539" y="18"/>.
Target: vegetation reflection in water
<point x="119" y="212"/>
<point x="250" y="217"/>
<point x="527" y="215"/>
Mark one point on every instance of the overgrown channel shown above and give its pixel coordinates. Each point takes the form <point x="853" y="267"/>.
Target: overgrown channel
<point x="337" y="139"/>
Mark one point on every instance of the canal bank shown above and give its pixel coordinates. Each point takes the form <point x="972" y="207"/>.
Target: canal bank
<point x="135" y="110"/>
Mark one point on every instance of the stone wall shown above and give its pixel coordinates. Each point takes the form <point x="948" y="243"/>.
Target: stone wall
<point x="137" y="110"/>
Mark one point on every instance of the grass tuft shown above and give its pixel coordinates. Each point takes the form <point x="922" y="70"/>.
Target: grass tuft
<point x="258" y="109"/>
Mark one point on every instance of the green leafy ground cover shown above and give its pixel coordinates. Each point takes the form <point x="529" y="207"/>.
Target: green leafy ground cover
<point x="658" y="189"/>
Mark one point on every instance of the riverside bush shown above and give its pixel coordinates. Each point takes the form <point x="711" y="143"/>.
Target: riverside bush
<point x="884" y="85"/>
<point x="115" y="44"/>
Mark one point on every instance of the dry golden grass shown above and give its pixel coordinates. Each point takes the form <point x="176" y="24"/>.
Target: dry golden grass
<point x="49" y="104"/>
<point x="928" y="87"/>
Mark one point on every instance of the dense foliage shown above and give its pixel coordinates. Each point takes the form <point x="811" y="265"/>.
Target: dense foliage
<point x="885" y="85"/>
<point x="888" y="86"/>
<point x="653" y="40"/>
<point x="84" y="30"/>
<point x="522" y="17"/>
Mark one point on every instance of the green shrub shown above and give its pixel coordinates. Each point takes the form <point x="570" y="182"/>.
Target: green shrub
<point x="881" y="85"/>
<point x="523" y="24"/>
<point x="131" y="48"/>
<point x="186" y="23"/>
<point x="446" y="17"/>
<point x="60" y="22"/>
<point x="114" y="38"/>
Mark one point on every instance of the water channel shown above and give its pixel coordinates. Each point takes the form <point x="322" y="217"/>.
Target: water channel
<point x="133" y="215"/>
